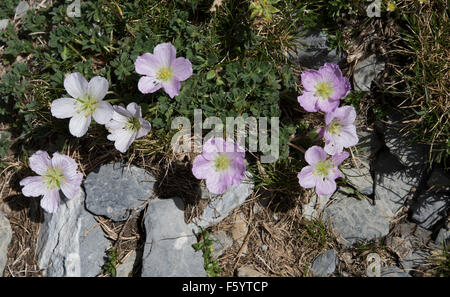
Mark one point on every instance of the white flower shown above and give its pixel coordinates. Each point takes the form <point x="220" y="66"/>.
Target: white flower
<point x="86" y="101"/>
<point x="126" y="125"/>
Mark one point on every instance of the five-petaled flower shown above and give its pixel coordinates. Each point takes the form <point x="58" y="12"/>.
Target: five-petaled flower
<point x="86" y="101"/>
<point x="323" y="88"/>
<point x="222" y="164"/>
<point x="322" y="170"/>
<point x="58" y="173"/>
<point x="126" y="125"/>
<point x="340" y="132"/>
<point x="162" y="69"/>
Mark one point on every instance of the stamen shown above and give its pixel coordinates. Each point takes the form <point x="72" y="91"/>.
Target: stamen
<point x="165" y="74"/>
<point x="324" y="90"/>
<point x="54" y="178"/>
<point x="222" y="162"/>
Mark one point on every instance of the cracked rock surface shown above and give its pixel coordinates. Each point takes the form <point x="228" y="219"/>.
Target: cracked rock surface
<point x="168" y="248"/>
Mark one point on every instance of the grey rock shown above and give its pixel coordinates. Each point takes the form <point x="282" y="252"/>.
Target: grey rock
<point x="21" y="9"/>
<point x="3" y="24"/>
<point x="168" y="248"/>
<point x="221" y="242"/>
<point x="398" y="245"/>
<point x="414" y="259"/>
<point x="430" y="208"/>
<point x="221" y="205"/>
<point x="365" y="72"/>
<point x="5" y="239"/>
<point x="126" y="267"/>
<point x="312" y="49"/>
<point x="116" y="188"/>
<point x="443" y="235"/>
<point x="403" y="146"/>
<point x="315" y="207"/>
<point x="246" y="271"/>
<point x="395" y="182"/>
<point x="70" y="241"/>
<point x="357" y="220"/>
<point x="393" y="271"/>
<point x="324" y="264"/>
<point x="359" y="177"/>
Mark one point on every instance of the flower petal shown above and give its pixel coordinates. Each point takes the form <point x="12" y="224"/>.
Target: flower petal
<point x="124" y="139"/>
<point x="63" y="108"/>
<point x="333" y="147"/>
<point x="327" y="105"/>
<point x="337" y="159"/>
<point x="201" y="167"/>
<point x="148" y="84"/>
<point x="103" y="113"/>
<point x="33" y="186"/>
<point x="172" y="87"/>
<point x="217" y="183"/>
<point x="309" y="80"/>
<point x="147" y="64"/>
<point x="305" y="177"/>
<point x="98" y="87"/>
<point x="72" y="187"/>
<point x="134" y="109"/>
<point x="64" y="162"/>
<point x="76" y="85"/>
<point x="308" y="101"/>
<point x="145" y="128"/>
<point x="79" y="124"/>
<point x="315" y="154"/>
<point x="182" y="68"/>
<point x="165" y="53"/>
<point x="40" y="162"/>
<point x="50" y="201"/>
<point x="325" y="187"/>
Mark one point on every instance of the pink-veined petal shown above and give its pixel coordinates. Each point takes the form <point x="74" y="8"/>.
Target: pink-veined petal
<point x="327" y="105"/>
<point x="71" y="187"/>
<point x="165" y="53"/>
<point x="51" y="200"/>
<point x="98" y="87"/>
<point x="103" y="113"/>
<point x="315" y="154"/>
<point x="124" y="138"/>
<point x="325" y="187"/>
<point x="201" y="167"/>
<point x="40" y="162"/>
<point x="182" y="68"/>
<point x="79" y="125"/>
<point x="147" y="64"/>
<point x="172" y="88"/>
<point x="63" y="108"/>
<point x="148" y="84"/>
<point x="217" y="183"/>
<point x="308" y="101"/>
<point x="33" y="186"/>
<point x="309" y="80"/>
<point x="76" y="85"/>
<point x="134" y="109"/>
<point x="306" y="179"/>
<point x="338" y="158"/>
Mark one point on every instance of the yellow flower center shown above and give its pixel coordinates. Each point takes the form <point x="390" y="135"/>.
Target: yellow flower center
<point x="222" y="162"/>
<point x="324" y="89"/>
<point x="335" y="127"/>
<point x="322" y="168"/>
<point x="53" y="178"/>
<point x="87" y="105"/>
<point x="165" y="74"/>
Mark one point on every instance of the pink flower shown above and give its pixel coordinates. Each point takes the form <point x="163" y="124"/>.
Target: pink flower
<point x="221" y="163"/>
<point x="87" y="101"/>
<point x="322" y="171"/>
<point x="340" y="131"/>
<point x="57" y="173"/>
<point x="126" y="125"/>
<point x="323" y="88"/>
<point x="162" y="69"/>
